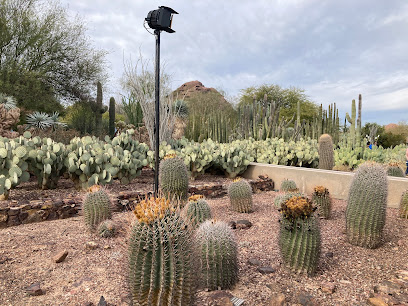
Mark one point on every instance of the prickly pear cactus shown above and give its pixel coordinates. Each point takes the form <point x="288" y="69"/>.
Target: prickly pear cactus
<point x="107" y="229"/>
<point x="366" y="207"/>
<point x="197" y="210"/>
<point x="173" y="177"/>
<point x="394" y="169"/>
<point x="161" y="268"/>
<point x="96" y="207"/>
<point x="288" y="186"/>
<point x="240" y="195"/>
<point x="326" y="152"/>
<point x="218" y="259"/>
<point x="321" y="198"/>
<point x="299" y="238"/>
<point x="404" y="205"/>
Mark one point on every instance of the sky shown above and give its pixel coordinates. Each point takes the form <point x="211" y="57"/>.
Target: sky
<point x="334" y="50"/>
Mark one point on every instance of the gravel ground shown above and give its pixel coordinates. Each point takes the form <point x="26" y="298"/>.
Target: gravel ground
<point x="26" y="253"/>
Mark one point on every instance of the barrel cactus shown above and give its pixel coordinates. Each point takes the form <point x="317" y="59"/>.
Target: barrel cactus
<point x="197" y="210"/>
<point x="240" y="195"/>
<point x="107" y="229"/>
<point x="394" y="169"/>
<point x="173" y="177"/>
<point x="366" y="206"/>
<point x="321" y="198"/>
<point x="96" y="207"/>
<point x="299" y="237"/>
<point x="281" y="198"/>
<point x="404" y="205"/>
<point x="161" y="268"/>
<point x="326" y="152"/>
<point x="288" y="186"/>
<point x="218" y="259"/>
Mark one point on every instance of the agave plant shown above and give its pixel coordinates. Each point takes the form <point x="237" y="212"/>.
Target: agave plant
<point x="9" y="102"/>
<point x="181" y="109"/>
<point x="55" y="120"/>
<point x="39" y="120"/>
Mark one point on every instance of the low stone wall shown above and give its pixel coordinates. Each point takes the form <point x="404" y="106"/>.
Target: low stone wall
<point x="51" y="209"/>
<point x="337" y="182"/>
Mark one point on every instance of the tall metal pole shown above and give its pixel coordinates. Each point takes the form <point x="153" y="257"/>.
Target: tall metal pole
<point x="157" y="110"/>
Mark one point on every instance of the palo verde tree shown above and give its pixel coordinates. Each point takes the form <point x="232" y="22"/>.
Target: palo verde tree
<point x="45" y="57"/>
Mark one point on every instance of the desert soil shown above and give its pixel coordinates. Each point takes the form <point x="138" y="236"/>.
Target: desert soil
<point x="86" y="274"/>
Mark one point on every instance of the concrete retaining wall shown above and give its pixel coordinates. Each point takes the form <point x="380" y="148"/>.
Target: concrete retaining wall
<point x="337" y="182"/>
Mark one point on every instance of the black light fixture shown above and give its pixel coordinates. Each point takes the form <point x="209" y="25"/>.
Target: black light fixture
<point x="159" y="20"/>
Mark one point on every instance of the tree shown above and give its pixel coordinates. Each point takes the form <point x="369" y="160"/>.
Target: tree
<point x="285" y="98"/>
<point x="45" y="58"/>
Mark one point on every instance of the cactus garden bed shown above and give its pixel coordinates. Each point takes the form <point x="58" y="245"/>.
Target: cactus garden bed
<point x="346" y="274"/>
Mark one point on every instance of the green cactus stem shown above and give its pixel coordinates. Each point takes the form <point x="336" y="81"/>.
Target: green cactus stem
<point x="321" y="198"/>
<point x="240" y="195"/>
<point x="197" y="210"/>
<point x="173" y="177"/>
<point x="288" y="186"/>
<point x="404" y="205"/>
<point x="112" y="117"/>
<point x="326" y="152"/>
<point x="96" y="207"/>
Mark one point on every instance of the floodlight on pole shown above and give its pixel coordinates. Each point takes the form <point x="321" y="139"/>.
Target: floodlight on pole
<point x="159" y="20"/>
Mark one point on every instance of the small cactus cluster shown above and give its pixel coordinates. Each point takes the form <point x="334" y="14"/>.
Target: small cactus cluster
<point x="366" y="205"/>
<point x="326" y="152"/>
<point x="394" y="169"/>
<point x="404" y="205"/>
<point x="288" y="186"/>
<point x="321" y="198"/>
<point x="96" y="207"/>
<point x="107" y="229"/>
<point x="197" y="210"/>
<point x="173" y="177"/>
<point x="299" y="238"/>
<point x="218" y="259"/>
<point x="240" y="195"/>
<point x="161" y="268"/>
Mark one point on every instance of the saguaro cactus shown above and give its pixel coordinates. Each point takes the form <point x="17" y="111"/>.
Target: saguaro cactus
<point x="240" y="195"/>
<point x="112" y="117"/>
<point x="366" y="207"/>
<point x="326" y="152"/>
<point x="161" y="269"/>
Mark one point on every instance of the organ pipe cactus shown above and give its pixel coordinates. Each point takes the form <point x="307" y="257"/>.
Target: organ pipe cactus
<point x="161" y="268"/>
<point x="404" y="205"/>
<point x="326" y="152"/>
<point x="218" y="259"/>
<point x="299" y="238"/>
<point x="321" y="198"/>
<point x="366" y="206"/>
<point x="240" y="195"/>
<point x="173" y="177"/>
<point x="197" y="210"/>
<point x="96" y="207"/>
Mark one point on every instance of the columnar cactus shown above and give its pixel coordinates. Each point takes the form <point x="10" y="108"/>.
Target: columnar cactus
<point x="173" y="177"/>
<point x="326" y="152"/>
<point x="288" y="186"/>
<point x="96" y="207"/>
<point x="160" y="256"/>
<point x="321" y="198"/>
<point x="394" y="169"/>
<point x="299" y="238"/>
<point x="197" y="210"/>
<point x="218" y="259"/>
<point x="404" y="205"/>
<point x="112" y="117"/>
<point x="366" y="207"/>
<point x="240" y="195"/>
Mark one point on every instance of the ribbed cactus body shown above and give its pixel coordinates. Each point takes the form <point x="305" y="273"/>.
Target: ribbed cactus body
<point x="299" y="237"/>
<point x="198" y="211"/>
<point x="288" y="186"/>
<point x="395" y="171"/>
<point x="366" y="207"/>
<point x="107" y="229"/>
<point x="282" y="198"/>
<point x="218" y="261"/>
<point x="326" y="152"/>
<point x="404" y="205"/>
<point x="322" y="200"/>
<point x="173" y="178"/>
<point x="160" y="264"/>
<point x="96" y="208"/>
<point x="240" y="195"/>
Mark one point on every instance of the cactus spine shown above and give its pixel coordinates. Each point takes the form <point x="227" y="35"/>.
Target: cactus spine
<point x="366" y="207"/>
<point x="160" y="262"/>
<point x="240" y="195"/>
<point x="173" y="177"/>
<point x="404" y="205"/>
<point x="299" y="238"/>
<point x="197" y="210"/>
<point x="96" y="207"/>
<point x="112" y="117"/>
<point x="218" y="260"/>
<point x="288" y="186"/>
<point x="321" y="198"/>
<point x="326" y="152"/>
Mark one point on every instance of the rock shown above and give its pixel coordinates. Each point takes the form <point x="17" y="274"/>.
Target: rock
<point x="277" y="300"/>
<point x="92" y="245"/>
<point x="102" y="302"/>
<point x="329" y="254"/>
<point x="382" y="300"/>
<point x="254" y="262"/>
<point x="232" y="224"/>
<point x="328" y="287"/>
<point x="60" y="257"/>
<point x="243" y="224"/>
<point x="220" y="298"/>
<point x="306" y="300"/>
<point x="34" y="289"/>
<point x="388" y="287"/>
<point x="266" y="270"/>
<point x="376" y="302"/>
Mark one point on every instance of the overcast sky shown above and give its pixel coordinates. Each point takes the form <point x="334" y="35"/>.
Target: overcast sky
<point x="334" y="50"/>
